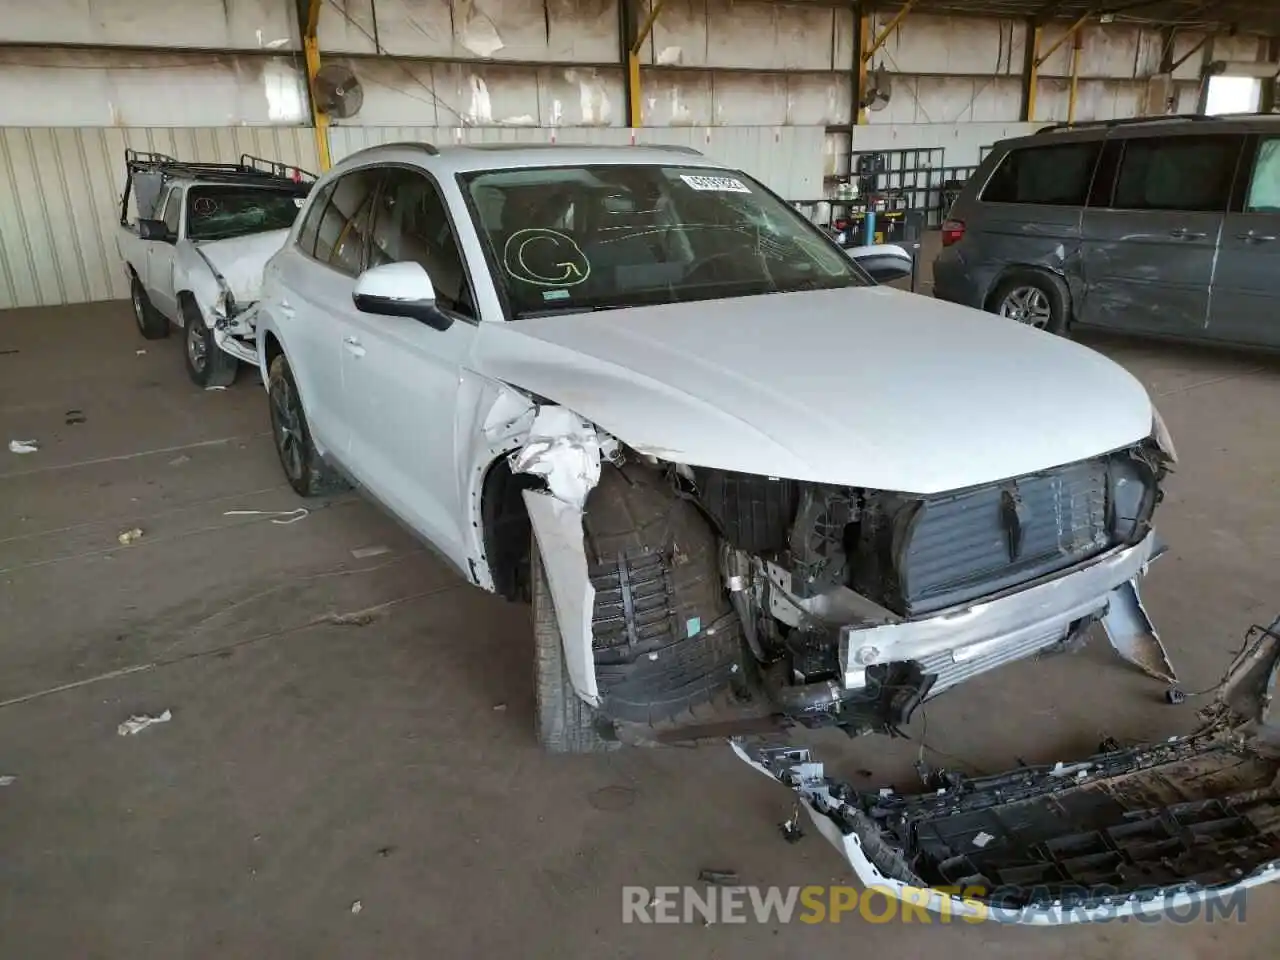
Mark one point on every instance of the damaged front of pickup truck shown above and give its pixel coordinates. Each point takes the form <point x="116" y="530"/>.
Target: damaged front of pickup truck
<point x="691" y="592"/>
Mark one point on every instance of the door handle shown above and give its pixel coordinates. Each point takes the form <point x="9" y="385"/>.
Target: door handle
<point x="1182" y="233"/>
<point x="353" y="346"/>
<point x="1252" y="237"/>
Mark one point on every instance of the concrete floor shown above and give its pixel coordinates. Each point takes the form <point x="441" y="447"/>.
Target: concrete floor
<point x="310" y="764"/>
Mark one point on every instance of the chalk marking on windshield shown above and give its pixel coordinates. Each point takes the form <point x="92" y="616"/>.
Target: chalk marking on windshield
<point x="576" y="266"/>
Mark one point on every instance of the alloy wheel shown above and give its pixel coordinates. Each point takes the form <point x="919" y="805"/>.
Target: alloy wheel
<point x="197" y="346"/>
<point x="1029" y="305"/>
<point x="286" y="424"/>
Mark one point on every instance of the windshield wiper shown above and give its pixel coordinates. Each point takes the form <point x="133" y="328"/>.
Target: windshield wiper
<point x="575" y="308"/>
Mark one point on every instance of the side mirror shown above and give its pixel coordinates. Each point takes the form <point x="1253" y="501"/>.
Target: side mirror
<point x="885" y="262"/>
<point x="400" y="290"/>
<point x="154" y="230"/>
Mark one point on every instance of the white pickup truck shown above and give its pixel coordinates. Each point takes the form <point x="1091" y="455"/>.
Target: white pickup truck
<point x="193" y="238"/>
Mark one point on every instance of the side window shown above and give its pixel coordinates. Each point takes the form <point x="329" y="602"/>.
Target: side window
<point x="344" y="223"/>
<point x="1177" y="173"/>
<point x="172" y="216"/>
<point x="1264" y="187"/>
<point x="1057" y="175"/>
<point x="411" y="223"/>
<point x="310" y="228"/>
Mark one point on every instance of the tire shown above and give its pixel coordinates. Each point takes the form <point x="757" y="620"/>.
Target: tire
<point x="565" y="723"/>
<point x="152" y="324"/>
<point x="207" y="365"/>
<point x="1037" y="299"/>
<point x="303" y="467"/>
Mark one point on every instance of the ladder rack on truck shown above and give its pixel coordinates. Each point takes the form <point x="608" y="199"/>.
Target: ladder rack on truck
<point x="248" y="169"/>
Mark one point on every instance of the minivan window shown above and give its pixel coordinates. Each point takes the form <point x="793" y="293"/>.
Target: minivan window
<point x="1177" y="173"/>
<point x="1264" y="188"/>
<point x="1057" y="175"/>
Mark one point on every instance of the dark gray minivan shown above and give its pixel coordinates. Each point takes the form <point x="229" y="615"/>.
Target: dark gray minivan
<point x="1165" y="226"/>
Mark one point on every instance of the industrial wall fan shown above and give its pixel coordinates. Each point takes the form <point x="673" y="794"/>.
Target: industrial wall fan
<point x="338" y="93"/>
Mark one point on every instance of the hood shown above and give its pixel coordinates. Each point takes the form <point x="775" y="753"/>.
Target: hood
<point x="240" y="260"/>
<point x="867" y="387"/>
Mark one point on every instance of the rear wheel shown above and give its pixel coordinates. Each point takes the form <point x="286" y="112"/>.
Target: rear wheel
<point x="566" y="723"/>
<point x="305" y="470"/>
<point x="152" y="324"/>
<point x="1036" y="299"/>
<point x="207" y="364"/>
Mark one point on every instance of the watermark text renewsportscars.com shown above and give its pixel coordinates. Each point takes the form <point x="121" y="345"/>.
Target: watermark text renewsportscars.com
<point x="835" y="904"/>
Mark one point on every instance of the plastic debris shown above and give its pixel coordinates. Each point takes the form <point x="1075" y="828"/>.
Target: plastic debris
<point x="7" y="780"/>
<point x="499" y="707"/>
<point x="293" y="516"/>
<point x="360" y="618"/>
<point x="214" y="388"/>
<point x="140" y="722"/>
<point x="74" y="417"/>
<point x="357" y="907"/>
<point x="363" y="553"/>
<point x="24" y="446"/>
<point x="130" y="536"/>
<point x="140" y="352"/>
<point x="719" y="877"/>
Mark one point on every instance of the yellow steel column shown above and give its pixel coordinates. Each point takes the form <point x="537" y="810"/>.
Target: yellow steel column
<point x="864" y="57"/>
<point x="1075" y="77"/>
<point x="311" y="51"/>
<point x="634" y="115"/>
<point x="1033" y="73"/>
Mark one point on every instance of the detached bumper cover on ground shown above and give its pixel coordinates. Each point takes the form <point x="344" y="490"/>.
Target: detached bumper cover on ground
<point x="1143" y="830"/>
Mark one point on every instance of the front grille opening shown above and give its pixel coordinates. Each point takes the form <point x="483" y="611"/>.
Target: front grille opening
<point x="963" y="546"/>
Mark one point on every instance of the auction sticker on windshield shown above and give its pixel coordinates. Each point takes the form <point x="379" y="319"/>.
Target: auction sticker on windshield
<point x="721" y="184"/>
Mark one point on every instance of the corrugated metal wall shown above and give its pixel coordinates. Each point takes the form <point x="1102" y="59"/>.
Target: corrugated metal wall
<point x="788" y="160"/>
<point x="60" y="200"/>
<point x="60" y="187"/>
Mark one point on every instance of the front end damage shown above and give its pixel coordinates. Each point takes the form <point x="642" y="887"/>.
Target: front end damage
<point x="1145" y="830"/>
<point x="830" y="605"/>
<point x="226" y="278"/>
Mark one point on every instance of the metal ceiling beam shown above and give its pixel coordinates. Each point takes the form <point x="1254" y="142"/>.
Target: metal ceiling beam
<point x="1071" y="31"/>
<point x="892" y="25"/>
<point x="1031" y="70"/>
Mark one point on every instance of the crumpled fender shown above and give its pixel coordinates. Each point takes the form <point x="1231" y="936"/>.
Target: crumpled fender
<point x="193" y="274"/>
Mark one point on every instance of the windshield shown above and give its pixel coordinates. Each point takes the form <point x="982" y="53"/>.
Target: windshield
<point x="218" y="212"/>
<point x="569" y="239"/>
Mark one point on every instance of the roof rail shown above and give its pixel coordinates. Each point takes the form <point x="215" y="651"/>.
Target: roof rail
<point x="1127" y="121"/>
<point x="677" y="147"/>
<point x="429" y="148"/>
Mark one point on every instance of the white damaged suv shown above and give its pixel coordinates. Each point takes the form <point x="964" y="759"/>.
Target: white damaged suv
<point x="735" y="477"/>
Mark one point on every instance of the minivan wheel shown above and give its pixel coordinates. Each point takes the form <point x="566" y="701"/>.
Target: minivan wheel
<point x="1036" y="299"/>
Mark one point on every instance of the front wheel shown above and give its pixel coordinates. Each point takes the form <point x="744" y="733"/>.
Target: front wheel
<point x="1038" y="300"/>
<point x="566" y="723"/>
<point x="207" y="364"/>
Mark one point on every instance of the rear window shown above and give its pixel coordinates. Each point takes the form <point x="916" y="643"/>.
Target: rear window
<point x="1057" y="175"/>
<point x="1177" y="173"/>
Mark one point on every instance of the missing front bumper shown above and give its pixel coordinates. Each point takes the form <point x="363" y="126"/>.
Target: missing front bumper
<point x="1146" y="830"/>
<point x="956" y="645"/>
